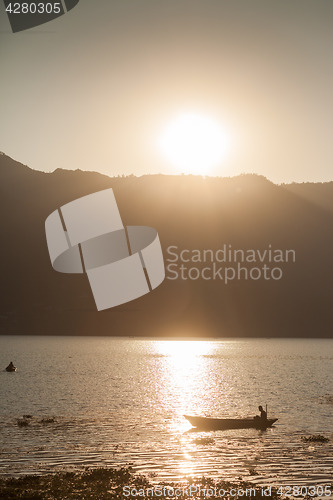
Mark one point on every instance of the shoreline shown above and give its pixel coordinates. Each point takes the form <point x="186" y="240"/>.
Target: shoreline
<point x="122" y="483"/>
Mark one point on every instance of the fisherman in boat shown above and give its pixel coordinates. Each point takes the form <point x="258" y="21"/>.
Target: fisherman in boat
<point x="263" y="414"/>
<point x="10" y="367"/>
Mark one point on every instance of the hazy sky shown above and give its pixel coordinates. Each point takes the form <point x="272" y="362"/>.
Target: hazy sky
<point x="95" y="88"/>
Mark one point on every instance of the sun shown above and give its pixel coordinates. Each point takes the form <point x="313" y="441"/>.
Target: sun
<point x="194" y="143"/>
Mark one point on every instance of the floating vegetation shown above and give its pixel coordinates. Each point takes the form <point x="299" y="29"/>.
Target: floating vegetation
<point x="109" y="483"/>
<point x="26" y="420"/>
<point x="204" y="440"/>
<point x="315" y="438"/>
<point x="23" y="422"/>
<point x="48" y="420"/>
<point x="326" y="399"/>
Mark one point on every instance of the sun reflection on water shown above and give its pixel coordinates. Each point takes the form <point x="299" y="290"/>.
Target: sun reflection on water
<point x="189" y="384"/>
<point x="186" y="349"/>
<point x="185" y="373"/>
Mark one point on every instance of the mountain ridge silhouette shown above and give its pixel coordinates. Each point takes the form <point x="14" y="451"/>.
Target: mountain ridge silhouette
<point x="247" y="211"/>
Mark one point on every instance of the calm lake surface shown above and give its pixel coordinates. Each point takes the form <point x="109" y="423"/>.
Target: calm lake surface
<point x="121" y="401"/>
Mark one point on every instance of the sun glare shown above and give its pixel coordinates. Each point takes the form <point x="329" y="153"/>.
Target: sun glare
<point x="184" y="349"/>
<point x="194" y="143"/>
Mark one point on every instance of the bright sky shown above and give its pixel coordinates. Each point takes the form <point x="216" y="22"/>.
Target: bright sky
<point x="96" y="89"/>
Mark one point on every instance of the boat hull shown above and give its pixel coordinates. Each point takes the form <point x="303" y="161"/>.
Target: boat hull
<point x="229" y="423"/>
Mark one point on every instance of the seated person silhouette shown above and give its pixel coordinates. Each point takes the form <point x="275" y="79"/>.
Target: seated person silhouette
<point x="263" y="414"/>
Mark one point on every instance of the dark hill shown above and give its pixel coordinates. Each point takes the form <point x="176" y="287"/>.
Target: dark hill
<point x="246" y="212"/>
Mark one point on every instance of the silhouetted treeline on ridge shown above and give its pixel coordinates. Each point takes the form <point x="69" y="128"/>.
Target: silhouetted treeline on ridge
<point x="189" y="212"/>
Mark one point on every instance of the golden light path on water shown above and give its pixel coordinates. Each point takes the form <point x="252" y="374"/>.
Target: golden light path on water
<point x="186" y="374"/>
<point x="184" y="369"/>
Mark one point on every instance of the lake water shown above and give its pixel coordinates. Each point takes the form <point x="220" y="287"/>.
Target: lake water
<point x="121" y="401"/>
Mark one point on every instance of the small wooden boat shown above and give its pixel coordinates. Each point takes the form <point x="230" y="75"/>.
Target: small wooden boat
<point x="11" y="368"/>
<point x="214" y="424"/>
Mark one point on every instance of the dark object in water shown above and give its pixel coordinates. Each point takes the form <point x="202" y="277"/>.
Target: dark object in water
<point x="11" y="367"/>
<point x="204" y="441"/>
<point x="215" y="424"/>
<point x="47" y="420"/>
<point x="22" y="422"/>
<point x="315" y="438"/>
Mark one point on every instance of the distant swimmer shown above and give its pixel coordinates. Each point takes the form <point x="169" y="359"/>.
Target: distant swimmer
<point x="11" y="367"/>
